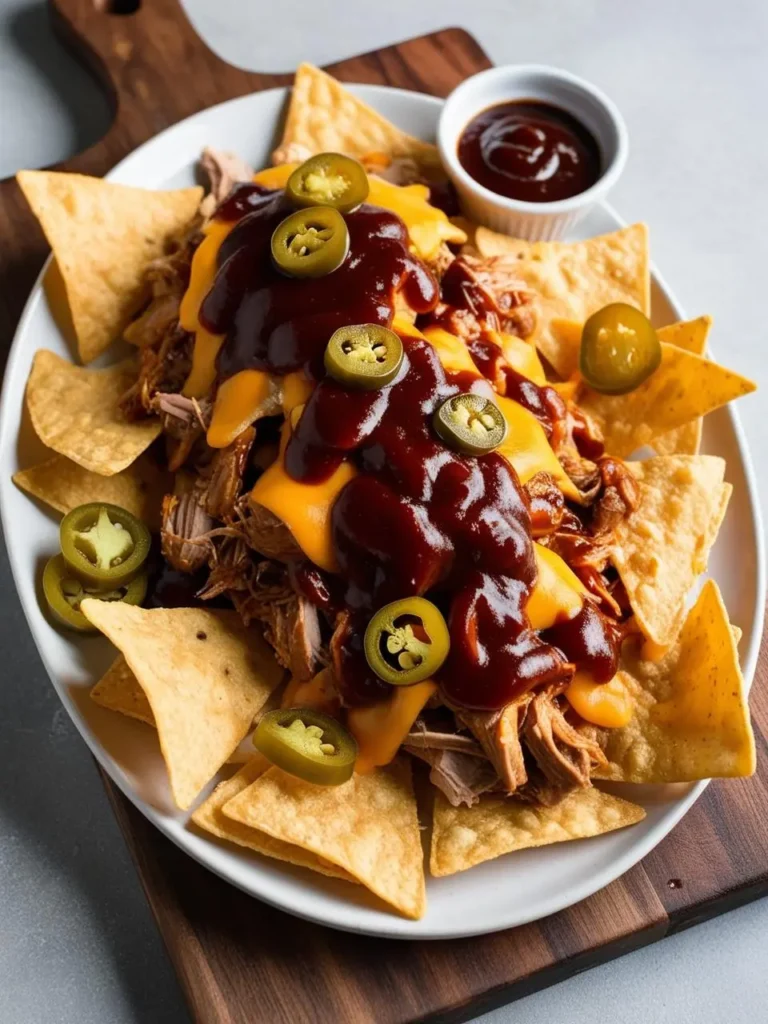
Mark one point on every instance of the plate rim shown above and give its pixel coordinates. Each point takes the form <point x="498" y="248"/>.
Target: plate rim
<point x="391" y="925"/>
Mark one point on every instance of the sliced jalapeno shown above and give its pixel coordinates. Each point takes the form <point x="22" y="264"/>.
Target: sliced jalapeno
<point x="308" y="744"/>
<point x="104" y="545"/>
<point x="364" y="356"/>
<point x="64" y="592"/>
<point x="329" y="179"/>
<point x="470" y="424"/>
<point x="310" y="243"/>
<point x="619" y="349"/>
<point x="406" y="641"/>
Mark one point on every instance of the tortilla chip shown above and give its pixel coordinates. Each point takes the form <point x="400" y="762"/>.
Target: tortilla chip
<point x="119" y="690"/>
<point x="64" y="485"/>
<point x="691" y="718"/>
<point x="368" y="827"/>
<point x="103" y="236"/>
<point x="324" y="117"/>
<point x="465" y="836"/>
<point x="209" y="816"/>
<point x="662" y="547"/>
<point x="684" y="387"/>
<point x="205" y="675"/>
<point x="572" y="280"/>
<point x="692" y="336"/>
<point x="75" y="412"/>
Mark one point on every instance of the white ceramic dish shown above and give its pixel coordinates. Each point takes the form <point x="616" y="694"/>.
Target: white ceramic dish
<point x="510" y="891"/>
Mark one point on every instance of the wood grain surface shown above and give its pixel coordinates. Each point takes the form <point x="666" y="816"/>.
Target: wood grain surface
<point x="238" y="959"/>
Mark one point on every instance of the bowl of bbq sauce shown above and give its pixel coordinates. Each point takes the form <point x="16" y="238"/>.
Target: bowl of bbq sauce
<point x="530" y="148"/>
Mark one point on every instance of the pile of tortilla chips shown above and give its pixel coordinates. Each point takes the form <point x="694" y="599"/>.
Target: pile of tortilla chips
<point x="200" y="678"/>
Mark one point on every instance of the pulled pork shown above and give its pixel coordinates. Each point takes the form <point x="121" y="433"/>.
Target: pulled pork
<point x="269" y="535"/>
<point x="461" y="777"/>
<point x="564" y="755"/>
<point x="166" y="279"/>
<point x="499" y="735"/>
<point x="162" y="367"/>
<point x="224" y="170"/>
<point x="482" y="294"/>
<point x="184" y="420"/>
<point x="293" y="630"/>
<point x="225" y="478"/>
<point x="185" y="532"/>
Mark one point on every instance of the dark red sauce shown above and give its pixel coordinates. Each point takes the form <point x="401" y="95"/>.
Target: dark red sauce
<point x="418" y="518"/>
<point x="530" y="151"/>
<point x="282" y="323"/>
<point x="589" y="640"/>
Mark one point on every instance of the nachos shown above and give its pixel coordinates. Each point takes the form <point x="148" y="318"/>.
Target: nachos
<point x="401" y="538"/>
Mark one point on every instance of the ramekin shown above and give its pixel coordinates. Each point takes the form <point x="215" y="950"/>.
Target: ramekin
<point x="587" y="103"/>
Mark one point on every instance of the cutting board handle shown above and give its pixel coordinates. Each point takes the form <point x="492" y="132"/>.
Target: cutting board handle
<point x="154" y="66"/>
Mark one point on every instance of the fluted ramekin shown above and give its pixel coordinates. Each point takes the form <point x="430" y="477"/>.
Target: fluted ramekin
<point x="585" y="102"/>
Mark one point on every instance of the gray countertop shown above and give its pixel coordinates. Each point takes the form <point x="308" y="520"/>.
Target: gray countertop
<point x="77" y="942"/>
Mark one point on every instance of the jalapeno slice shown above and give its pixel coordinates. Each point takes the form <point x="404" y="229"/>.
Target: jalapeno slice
<point x="310" y="243"/>
<point x="64" y="592"/>
<point x="364" y="356"/>
<point x="308" y="744"/>
<point x="406" y="641"/>
<point x="329" y="179"/>
<point x="470" y="424"/>
<point x="104" y="545"/>
<point x="619" y="349"/>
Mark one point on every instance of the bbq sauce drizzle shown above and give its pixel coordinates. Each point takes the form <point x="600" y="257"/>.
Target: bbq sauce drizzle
<point x="418" y="518"/>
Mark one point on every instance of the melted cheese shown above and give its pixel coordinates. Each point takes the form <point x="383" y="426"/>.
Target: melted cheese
<point x="521" y="356"/>
<point x="427" y="226"/>
<point x="296" y="391"/>
<point x="240" y="400"/>
<point x="608" y="705"/>
<point x="207" y="345"/>
<point x="304" y="508"/>
<point x="558" y="592"/>
<point x="452" y="352"/>
<point x="526" y="447"/>
<point x="381" y="729"/>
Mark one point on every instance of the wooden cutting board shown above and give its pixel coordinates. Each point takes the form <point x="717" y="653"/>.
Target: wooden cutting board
<point x="238" y="959"/>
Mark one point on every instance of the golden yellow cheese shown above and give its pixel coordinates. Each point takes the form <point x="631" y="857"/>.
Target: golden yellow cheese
<point x="427" y="226"/>
<point x="239" y="401"/>
<point x="521" y="356"/>
<point x="526" y="447"/>
<point x="608" y="705"/>
<point x="318" y="693"/>
<point x="558" y="592"/>
<point x="207" y="345"/>
<point x="304" y="508"/>
<point x="296" y="391"/>
<point x="381" y="729"/>
<point x="452" y="351"/>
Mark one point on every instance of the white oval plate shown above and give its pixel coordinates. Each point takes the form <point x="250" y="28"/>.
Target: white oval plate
<point x="509" y="891"/>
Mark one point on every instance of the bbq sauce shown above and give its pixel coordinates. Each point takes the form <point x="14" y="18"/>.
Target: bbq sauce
<point x="278" y="323"/>
<point x="529" y="150"/>
<point x="422" y="518"/>
<point x="418" y="518"/>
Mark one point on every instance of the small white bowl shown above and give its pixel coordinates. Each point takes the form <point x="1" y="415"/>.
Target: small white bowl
<point x="590" y="106"/>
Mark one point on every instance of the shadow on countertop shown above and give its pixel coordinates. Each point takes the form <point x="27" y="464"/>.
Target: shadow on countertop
<point x="71" y="91"/>
<point x="78" y="939"/>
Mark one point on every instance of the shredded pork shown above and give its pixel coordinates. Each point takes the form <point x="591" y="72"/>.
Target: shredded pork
<point x="185" y="532"/>
<point x="499" y="735"/>
<point x="224" y="170"/>
<point x="461" y="777"/>
<point x="564" y="755"/>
